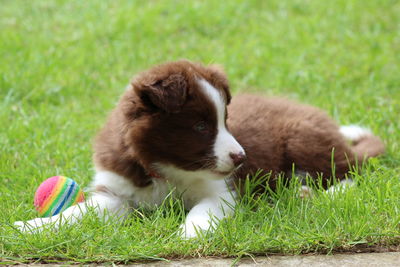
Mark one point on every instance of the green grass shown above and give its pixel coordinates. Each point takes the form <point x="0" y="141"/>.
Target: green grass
<point x="65" y="63"/>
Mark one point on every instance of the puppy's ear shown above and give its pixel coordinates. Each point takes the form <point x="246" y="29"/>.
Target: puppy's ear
<point x="168" y="94"/>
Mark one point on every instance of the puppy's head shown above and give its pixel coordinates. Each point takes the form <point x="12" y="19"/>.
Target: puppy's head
<point x="176" y="114"/>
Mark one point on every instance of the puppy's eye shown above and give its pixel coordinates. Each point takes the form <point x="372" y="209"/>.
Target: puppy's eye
<point x="200" y="127"/>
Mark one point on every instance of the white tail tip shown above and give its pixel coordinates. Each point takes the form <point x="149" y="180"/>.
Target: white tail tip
<point x="354" y="132"/>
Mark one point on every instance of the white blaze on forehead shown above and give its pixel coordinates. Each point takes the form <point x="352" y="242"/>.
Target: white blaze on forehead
<point x="217" y="99"/>
<point x="225" y="143"/>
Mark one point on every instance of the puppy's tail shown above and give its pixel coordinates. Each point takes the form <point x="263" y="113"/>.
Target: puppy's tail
<point x="363" y="143"/>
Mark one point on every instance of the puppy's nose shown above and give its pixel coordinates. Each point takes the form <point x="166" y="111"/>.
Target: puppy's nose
<point x="237" y="158"/>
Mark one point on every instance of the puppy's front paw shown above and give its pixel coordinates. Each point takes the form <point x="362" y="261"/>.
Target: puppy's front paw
<point x="195" y="228"/>
<point x="305" y="192"/>
<point x="32" y="226"/>
<point x="20" y="225"/>
<point x="188" y="231"/>
<point x="23" y="226"/>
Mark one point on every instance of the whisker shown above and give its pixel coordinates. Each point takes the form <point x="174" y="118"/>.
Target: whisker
<point x="206" y="163"/>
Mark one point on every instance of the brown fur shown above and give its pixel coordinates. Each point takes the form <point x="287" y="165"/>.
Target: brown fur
<point x="155" y="118"/>
<point x="277" y="133"/>
<point x="368" y="146"/>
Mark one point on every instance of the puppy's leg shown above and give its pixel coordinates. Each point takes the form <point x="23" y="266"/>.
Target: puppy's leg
<point x="110" y="198"/>
<point x="307" y="192"/>
<point x="103" y="204"/>
<point x="340" y="187"/>
<point x="206" y="214"/>
<point x="304" y="191"/>
<point x="319" y="149"/>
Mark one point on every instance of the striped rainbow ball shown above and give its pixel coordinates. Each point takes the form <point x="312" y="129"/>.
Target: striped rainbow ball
<point x="56" y="194"/>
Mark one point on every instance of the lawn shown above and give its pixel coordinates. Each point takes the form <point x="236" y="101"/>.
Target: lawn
<point x="64" y="65"/>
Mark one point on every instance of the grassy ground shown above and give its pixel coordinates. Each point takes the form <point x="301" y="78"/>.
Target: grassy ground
<point x="65" y="63"/>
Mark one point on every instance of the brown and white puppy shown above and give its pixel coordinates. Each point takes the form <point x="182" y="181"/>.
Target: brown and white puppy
<point x="170" y="132"/>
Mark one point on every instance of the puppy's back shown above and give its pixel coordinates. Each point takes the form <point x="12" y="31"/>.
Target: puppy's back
<point x="277" y="133"/>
